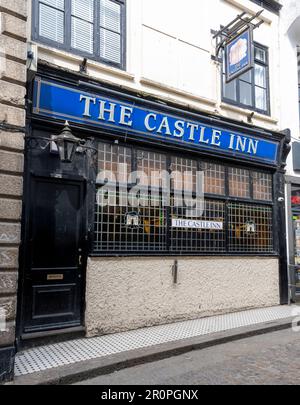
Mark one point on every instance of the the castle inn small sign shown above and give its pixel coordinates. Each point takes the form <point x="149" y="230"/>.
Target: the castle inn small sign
<point x="192" y="224"/>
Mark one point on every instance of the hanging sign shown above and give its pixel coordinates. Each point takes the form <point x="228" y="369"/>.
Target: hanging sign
<point x="239" y="55"/>
<point x="64" y="102"/>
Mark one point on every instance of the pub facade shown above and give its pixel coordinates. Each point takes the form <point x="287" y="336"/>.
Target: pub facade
<point x="154" y="190"/>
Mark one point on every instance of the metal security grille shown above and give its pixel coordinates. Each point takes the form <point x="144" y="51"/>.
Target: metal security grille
<point x="151" y="164"/>
<point x="262" y="186"/>
<point x="116" y="159"/>
<point x="250" y="228"/>
<point x="184" y="174"/>
<point x="214" y="178"/>
<point x="121" y="226"/>
<point x="199" y="240"/>
<point x="239" y="183"/>
<point x="131" y="216"/>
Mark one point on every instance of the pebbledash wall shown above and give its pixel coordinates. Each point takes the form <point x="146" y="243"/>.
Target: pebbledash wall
<point x="137" y="292"/>
<point x="13" y="56"/>
<point x="162" y="40"/>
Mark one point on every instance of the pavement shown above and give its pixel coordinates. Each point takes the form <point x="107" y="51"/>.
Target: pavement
<point x="85" y="359"/>
<point x="269" y="359"/>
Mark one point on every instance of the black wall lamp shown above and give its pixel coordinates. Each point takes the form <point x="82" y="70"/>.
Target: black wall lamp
<point x="66" y="143"/>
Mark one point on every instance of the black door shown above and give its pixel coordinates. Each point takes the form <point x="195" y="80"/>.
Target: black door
<point x="55" y="255"/>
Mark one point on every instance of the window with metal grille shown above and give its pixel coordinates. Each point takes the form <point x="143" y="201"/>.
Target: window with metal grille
<point x="184" y="172"/>
<point x="250" y="228"/>
<point x="262" y="186"/>
<point x="114" y="231"/>
<point x="130" y="218"/>
<point x="239" y="183"/>
<point x="199" y="240"/>
<point x="214" y="178"/>
<point x="91" y="28"/>
<point x="251" y="90"/>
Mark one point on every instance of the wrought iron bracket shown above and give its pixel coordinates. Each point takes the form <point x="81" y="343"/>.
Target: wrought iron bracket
<point x="235" y="27"/>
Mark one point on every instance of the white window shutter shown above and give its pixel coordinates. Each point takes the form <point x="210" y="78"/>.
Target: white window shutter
<point x="82" y="25"/>
<point x="51" y="20"/>
<point x="110" y="30"/>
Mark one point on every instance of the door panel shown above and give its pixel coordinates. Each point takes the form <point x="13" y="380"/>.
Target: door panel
<point x="62" y="298"/>
<point x="53" y="290"/>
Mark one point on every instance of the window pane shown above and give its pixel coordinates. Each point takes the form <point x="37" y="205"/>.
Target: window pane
<point x="261" y="98"/>
<point x="262" y="186"/>
<point x="83" y="9"/>
<point x="184" y="174"/>
<point x="260" y="54"/>
<point x="153" y="165"/>
<point x="115" y="159"/>
<point x="229" y="89"/>
<point x="260" y="76"/>
<point x="250" y="228"/>
<point x="199" y="240"/>
<point x="51" y="24"/>
<point x="239" y="183"/>
<point x="214" y="179"/>
<point x="121" y="227"/>
<point x="60" y="4"/>
<point x="110" y="15"/>
<point x="82" y="35"/>
<point x="110" y="46"/>
<point x="245" y="93"/>
<point x="247" y="77"/>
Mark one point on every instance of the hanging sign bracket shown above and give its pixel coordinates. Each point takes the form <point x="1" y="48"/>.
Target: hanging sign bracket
<point x="241" y="23"/>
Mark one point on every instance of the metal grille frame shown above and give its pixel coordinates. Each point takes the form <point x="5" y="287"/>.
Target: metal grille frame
<point x="259" y="188"/>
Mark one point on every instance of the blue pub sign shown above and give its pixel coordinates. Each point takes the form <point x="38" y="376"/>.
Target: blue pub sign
<point x="65" y="102"/>
<point x="239" y="55"/>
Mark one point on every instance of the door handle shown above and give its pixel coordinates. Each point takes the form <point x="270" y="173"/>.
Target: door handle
<point x="80" y="260"/>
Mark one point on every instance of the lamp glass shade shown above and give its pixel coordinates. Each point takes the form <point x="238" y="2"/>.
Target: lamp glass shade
<point x="67" y="144"/>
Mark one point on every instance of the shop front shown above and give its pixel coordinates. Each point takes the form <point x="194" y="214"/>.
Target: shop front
<point x="293" y="196"/>
<point x="160" y="215"/>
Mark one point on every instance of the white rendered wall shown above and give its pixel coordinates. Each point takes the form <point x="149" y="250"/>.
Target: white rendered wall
<point x="129" y="293"/>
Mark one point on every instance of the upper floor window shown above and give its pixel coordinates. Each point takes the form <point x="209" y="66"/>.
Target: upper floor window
<point x="251" y="90"/>
<point x="92" y="28"/>
<point x="271" y="5"/>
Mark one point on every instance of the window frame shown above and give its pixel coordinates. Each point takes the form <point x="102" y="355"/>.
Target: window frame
<point x="67" y="44"/>
<point x="253" y="86"/>
<point x="271" y="5"/>
<point x="225" y="198"/>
